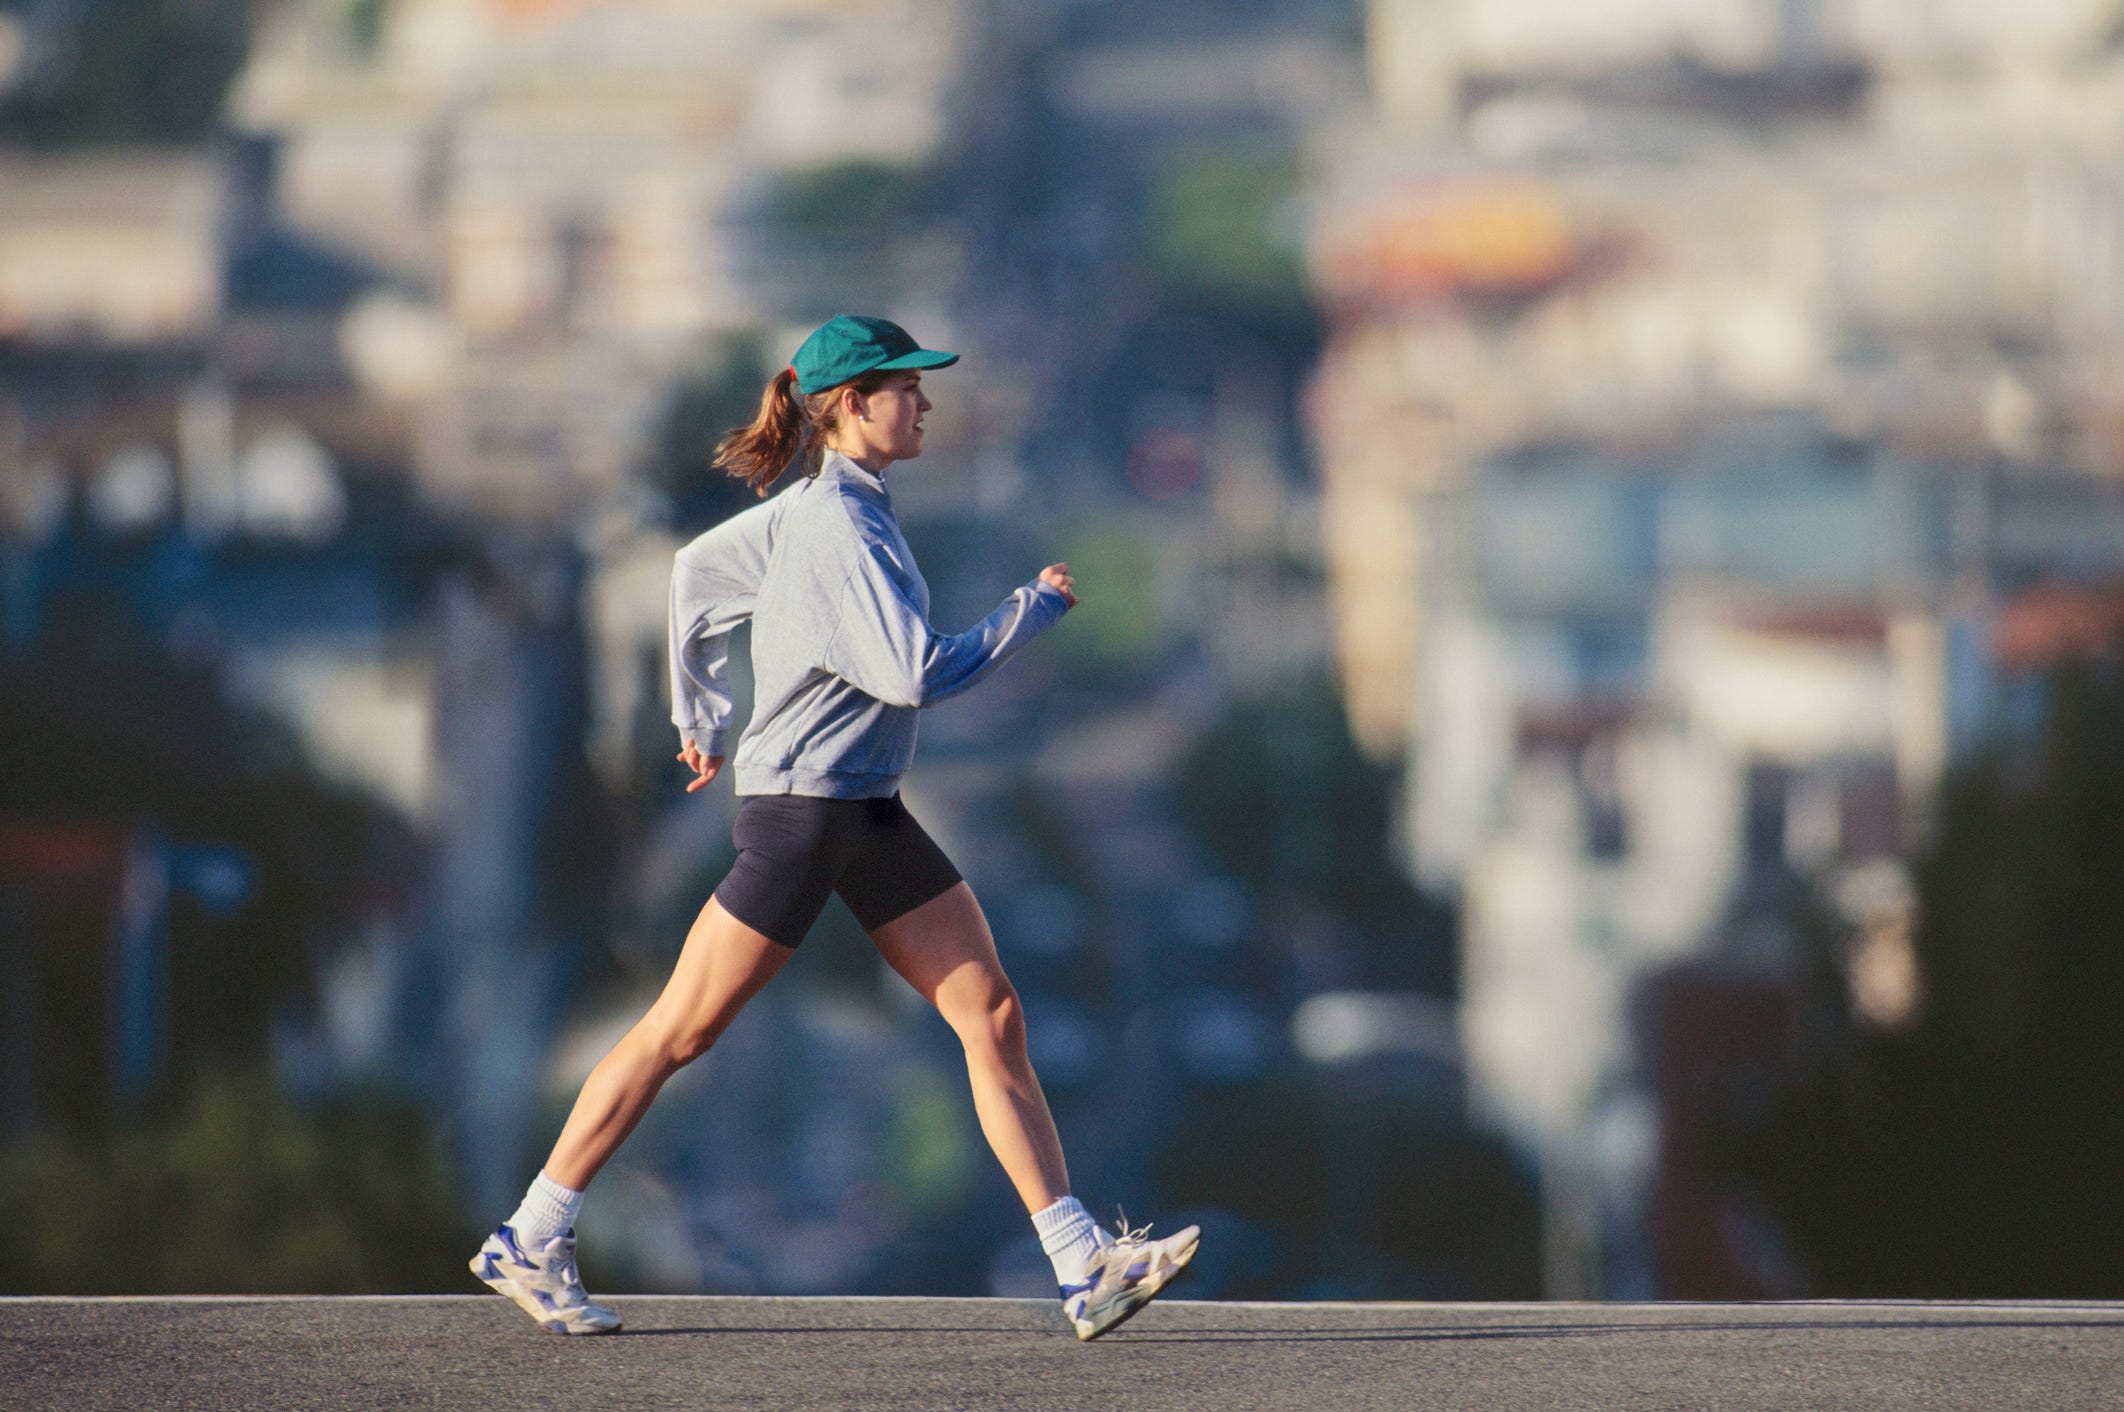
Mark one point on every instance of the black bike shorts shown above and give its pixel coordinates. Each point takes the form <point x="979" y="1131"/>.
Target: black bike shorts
<point x="794" y="849"/>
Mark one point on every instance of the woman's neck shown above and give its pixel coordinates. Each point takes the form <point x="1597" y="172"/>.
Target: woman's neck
<point x="874" y="462"/>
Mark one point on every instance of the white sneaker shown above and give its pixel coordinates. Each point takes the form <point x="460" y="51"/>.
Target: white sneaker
<point x="543" y="1282"/>
<point x="1125" y="1275"/>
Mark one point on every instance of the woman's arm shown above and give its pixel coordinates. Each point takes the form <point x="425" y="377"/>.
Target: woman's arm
<point x="715" y="581"/>
<point x="886" y="647"/>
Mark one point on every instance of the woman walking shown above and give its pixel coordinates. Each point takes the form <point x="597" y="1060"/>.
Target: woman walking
<point x="843" y="658"/>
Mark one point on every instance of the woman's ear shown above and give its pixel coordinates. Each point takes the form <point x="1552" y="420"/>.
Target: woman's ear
<point x="853" y="404"/>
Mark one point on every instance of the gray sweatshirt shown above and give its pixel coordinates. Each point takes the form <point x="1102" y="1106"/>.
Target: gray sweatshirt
<point x="842" y="649"/>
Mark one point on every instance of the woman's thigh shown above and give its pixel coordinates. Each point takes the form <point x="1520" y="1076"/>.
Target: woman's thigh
<point x="944" y="949"/>
<point x="722" y="966"/>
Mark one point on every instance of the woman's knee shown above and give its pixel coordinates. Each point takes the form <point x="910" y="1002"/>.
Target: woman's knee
<point x="677" y="1043"/>
<point x="994" y="1024"/>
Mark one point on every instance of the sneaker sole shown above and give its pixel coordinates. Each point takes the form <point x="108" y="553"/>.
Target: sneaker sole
<point x="517" y="1295"/>
<point x="1144" y="1293"/>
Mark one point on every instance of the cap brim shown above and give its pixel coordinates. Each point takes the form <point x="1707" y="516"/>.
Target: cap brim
<point x="920" y="358"/>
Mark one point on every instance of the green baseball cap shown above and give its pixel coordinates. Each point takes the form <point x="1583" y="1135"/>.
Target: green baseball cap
<point x="850" y="345"/>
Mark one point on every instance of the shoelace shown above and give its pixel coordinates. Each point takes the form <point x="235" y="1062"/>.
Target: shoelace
<point x="1124" y="1236"/>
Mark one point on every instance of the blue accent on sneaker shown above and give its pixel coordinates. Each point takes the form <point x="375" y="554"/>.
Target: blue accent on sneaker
<point x="516" y="1252"/>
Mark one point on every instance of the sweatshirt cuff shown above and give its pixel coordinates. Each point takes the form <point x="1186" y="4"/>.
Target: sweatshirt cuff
<point x="710" y="742"/>
<point x="1042" y="586"/>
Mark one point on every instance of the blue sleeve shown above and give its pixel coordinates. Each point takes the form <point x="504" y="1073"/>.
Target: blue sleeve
<point x="885" y="647"/>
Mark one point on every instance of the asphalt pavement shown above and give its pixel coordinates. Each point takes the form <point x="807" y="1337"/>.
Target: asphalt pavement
<point x="479" y="1352"/>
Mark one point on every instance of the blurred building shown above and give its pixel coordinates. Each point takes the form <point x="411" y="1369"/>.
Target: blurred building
<point x="563" y="198"/>
<point x="126" y="248"/>
<point x="1700" y="382"/>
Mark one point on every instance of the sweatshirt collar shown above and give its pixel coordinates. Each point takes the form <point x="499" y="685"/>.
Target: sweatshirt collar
<point x="842" y="468"/>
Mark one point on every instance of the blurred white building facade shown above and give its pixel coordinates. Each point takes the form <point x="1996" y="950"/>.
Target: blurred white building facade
<point x="1700" y="380"/>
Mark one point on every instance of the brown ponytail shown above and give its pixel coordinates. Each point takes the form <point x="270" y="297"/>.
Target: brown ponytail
<point x="787" y="429"/>
<point x="758" y="454"/>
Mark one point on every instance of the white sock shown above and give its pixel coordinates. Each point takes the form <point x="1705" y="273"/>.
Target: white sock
<point x="1069" y="1236"/>
<point x="549" y="1209"/>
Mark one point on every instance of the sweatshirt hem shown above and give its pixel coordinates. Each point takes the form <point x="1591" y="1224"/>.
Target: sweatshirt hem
<point x="822" y="784"/>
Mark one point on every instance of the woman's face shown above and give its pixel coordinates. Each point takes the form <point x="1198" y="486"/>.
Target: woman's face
<point x="885" y="425"/>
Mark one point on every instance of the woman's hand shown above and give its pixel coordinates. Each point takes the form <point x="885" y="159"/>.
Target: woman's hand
<point x="706" y="766"/>
<point x="1056" y="576"/>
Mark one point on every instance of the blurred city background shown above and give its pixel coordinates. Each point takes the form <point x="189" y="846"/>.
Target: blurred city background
<point x="1591" y="764"/>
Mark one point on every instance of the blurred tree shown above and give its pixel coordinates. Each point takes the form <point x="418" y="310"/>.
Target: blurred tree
<point x="1219" y="238"/>
<point x="1113" y="638"/>
<point x="813" y="204"/>
<point x="365" y="24"/>
<point x="101" y="729"/>
<point x="721" y="393"/>
<point x="1280" y="796"/>
<point x="238" y="1193"/>
<point x="1215" y="313"/>
<point x="1451" y="1200"/>
<point x="850" y="236"/>
<point x="1979" y="1152"/>
<point x="1388" y="1189"/>
<point x="131" y="73"/>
